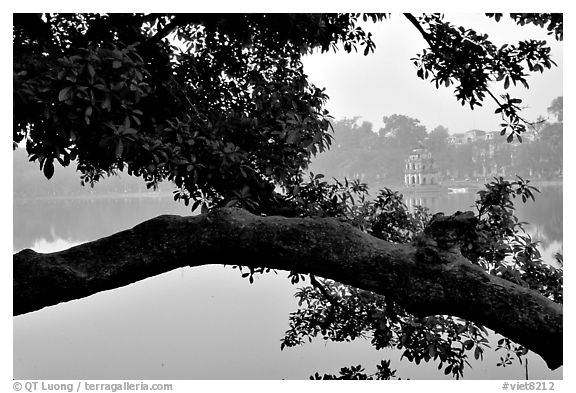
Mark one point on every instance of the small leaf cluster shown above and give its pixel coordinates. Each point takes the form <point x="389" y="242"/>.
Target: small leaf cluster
<point x="554" y="23"/>
<point x="385" y="216"/>
<point x="318" y="197"/>
<point x="253" y="271"/>
<point x="471" y="63"/>
<point x="383" y="372"/>
<point x="503" y="247"/>
<point x="390" y="219"/>
<point x="510" y="348"/>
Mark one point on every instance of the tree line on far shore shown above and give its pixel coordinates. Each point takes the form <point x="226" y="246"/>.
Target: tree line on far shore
<point x="378" y="157"/>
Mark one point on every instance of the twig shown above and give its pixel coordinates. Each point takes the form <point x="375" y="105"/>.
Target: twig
<point x="316" y="284"/>
<point x="415" y="22"/>
<point x="178" y="21"/>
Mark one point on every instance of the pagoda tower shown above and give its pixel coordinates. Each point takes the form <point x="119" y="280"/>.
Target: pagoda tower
<point x="420" y="170"/>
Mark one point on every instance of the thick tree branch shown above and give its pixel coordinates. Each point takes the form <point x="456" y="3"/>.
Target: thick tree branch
<point x="446" y="284"/>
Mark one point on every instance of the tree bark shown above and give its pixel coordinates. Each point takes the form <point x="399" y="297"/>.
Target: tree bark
<point x="447" y="284"/>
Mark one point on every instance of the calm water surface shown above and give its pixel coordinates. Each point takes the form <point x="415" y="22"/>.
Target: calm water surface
<point x="202" y="323"/>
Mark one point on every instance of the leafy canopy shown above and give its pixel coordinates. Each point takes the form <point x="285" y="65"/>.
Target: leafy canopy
<point x="222" y="109"/>
<point x="219" y="104"/>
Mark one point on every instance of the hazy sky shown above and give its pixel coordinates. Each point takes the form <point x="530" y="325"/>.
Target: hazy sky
<point x="385" y="82"/>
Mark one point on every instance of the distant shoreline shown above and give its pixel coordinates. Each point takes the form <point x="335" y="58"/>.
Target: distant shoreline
<point x="467" y="184"/>
<point x="168" y="194"/>
<point x="547" y="183"/>
<point x="127" y="195"/>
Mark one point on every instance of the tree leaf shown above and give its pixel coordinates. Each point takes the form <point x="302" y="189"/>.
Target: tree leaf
<point x="204" y="208"/>
<point x="63" y="95"/>
<point x="106" y="104"/>
<point x="196" y="204"/>
<point x="91" y="71"/>
<point x="119" y="149"/>
<point x="48" y="168"/>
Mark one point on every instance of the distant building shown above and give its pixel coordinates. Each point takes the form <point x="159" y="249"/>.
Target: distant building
<point x="457" y="139"/>
<point x="420" y="169"/>
<point x="475" y="135"/>
<point x="469" y="137"/>
<point x="492" y="135"/>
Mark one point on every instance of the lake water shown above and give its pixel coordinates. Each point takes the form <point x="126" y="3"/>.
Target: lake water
<point x="202" y="323"/>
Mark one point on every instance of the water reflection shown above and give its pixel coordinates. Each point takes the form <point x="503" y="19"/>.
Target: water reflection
<point x="56" y="244"/>
<point x="45" y="222"/>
